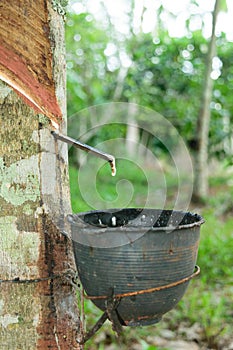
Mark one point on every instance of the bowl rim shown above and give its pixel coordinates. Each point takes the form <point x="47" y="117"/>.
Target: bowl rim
<point x="75" y="220"/>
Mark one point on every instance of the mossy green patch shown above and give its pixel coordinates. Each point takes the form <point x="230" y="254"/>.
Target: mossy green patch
<point x="18" y="249"/>
<point x="19" y="182"/>
<point x="18" y="122"/>
<point x="60" y="6"/>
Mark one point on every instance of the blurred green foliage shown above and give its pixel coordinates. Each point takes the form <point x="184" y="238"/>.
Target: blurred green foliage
<point x="156" y="71"/>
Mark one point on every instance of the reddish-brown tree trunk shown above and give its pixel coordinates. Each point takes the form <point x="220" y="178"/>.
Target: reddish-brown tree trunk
<point x="34" y="201"/>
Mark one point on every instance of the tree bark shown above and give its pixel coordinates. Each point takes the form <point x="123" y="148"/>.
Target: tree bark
<point x="26" y="53"/>
<point x="201" y="161"/>
<point x="34" y="202"/>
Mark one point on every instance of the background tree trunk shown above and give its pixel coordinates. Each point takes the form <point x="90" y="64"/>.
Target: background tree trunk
<point x="201" y="161"/>
<point x="34" y="201"/>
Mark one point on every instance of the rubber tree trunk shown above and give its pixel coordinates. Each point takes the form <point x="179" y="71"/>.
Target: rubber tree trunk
<point x="34" y="201"/>
<point x="201" y="161"/>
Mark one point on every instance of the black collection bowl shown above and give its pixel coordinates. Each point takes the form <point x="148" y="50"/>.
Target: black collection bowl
<point x="147" y="256"/>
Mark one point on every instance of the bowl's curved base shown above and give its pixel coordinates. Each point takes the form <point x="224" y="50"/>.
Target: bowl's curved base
<point x="143" y="322"/>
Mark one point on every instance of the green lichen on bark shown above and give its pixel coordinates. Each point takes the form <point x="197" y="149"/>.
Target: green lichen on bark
<point x="4" y="91"/>
<point x="18" y="250"/>
<point x="18" y="186"/>
<point x="17" y="123"/>
<point x="60" y="6"/>
<point x="18" y="308"/>
<point x="25" y="211"/>
<point x="43" y="120"/>
<point x="19" y="199"/>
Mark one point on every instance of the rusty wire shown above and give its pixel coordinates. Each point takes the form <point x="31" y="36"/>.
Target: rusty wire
<point x="68" y="274"/>
<point x="150" y="290"/>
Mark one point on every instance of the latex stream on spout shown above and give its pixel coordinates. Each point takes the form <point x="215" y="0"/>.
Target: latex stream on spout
<point x="87" y="148"/>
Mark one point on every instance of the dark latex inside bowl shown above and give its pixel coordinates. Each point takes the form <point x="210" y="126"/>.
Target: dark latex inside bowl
<point x="138" y="218"/>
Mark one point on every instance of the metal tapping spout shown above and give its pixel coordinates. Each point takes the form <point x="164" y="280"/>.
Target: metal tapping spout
<point x="87" y="148"/>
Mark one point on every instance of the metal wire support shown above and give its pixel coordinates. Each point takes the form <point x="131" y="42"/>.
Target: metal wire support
<point x="110" y="313"/>
<point x="69" y="274"/>
<point x="150" y="290"/>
